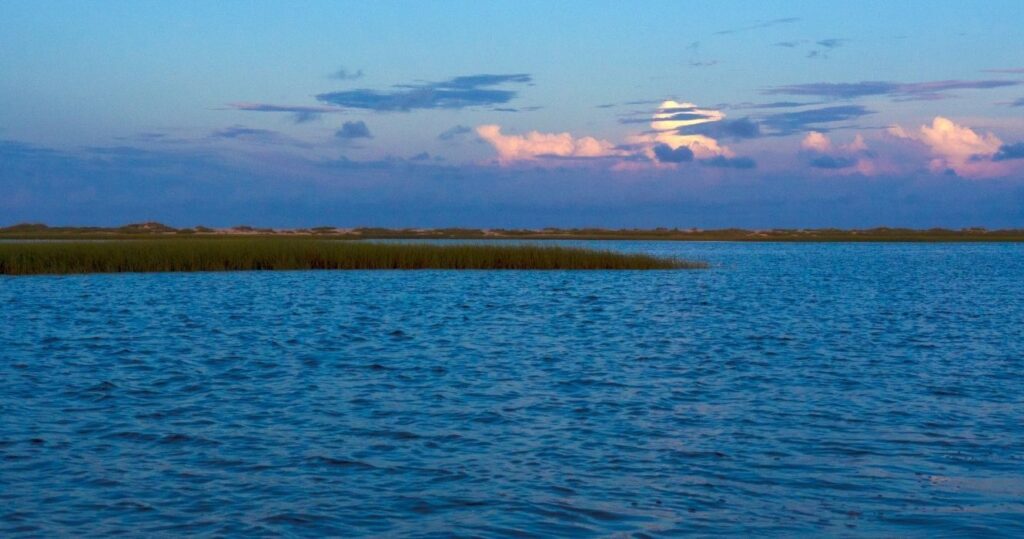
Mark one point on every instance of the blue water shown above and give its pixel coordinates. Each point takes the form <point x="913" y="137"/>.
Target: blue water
<point x="807" y="389"/>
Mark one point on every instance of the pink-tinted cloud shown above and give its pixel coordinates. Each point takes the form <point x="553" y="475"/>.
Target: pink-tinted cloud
<point x="668" y="124"/>
<point x="816" y="142"/>
<point x="958" y="148"/>
<point x="839" y="158"/>
<point x="535" y="144"/>
<point x="668" y="143"/>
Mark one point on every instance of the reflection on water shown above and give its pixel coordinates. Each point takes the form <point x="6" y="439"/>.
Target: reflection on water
<point x="791" y="389"/>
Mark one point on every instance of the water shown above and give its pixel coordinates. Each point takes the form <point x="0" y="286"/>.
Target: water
<point x="865" y="389"/>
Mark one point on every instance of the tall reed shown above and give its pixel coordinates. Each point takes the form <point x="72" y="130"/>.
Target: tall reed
<point x="195" y="254"/>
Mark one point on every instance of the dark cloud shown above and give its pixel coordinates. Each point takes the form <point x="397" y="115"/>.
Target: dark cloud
<point x="455" y="132"/>
<point x="257" y="136"/>
<point x="422" y="156"/>
<point x="344" y="74"/>
<point x="775" y="105"/>
<point x="469" y="82"/>
<point x="896" y="90"/>
<point x="741" y="128"/>
<point x="353" y="130"/>
<point x="832" y="162"/>
<point x="241" y="132"/>
<point x="756" y="26"/>
<point x="517" y="109"/>
<point x="456" y="93"/>
<point x="665" y="154"/>
<point x="832" y="43"/>
<point x="301" y="114"/>
<point x="673" y="117"/>
<point x="705" y="63"/>
<point x="675" y="110"/>
<point x="1009" y="151"/>
<point x="630" y="103"/>
<point x="785" y="123"/>
<point x="1018" y="103"/>
<point x="1014" y="70"/>
<point x="153" y="137"/>
<point x="743" y="163"/>
<point x="788" y="44"/>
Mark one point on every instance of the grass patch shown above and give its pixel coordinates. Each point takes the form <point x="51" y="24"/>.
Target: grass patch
<point x="197" y="254"/>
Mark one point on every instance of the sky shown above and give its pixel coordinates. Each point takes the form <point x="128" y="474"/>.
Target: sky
<point x="517" y="114"/>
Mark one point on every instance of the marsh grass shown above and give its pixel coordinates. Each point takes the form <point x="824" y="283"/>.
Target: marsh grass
<point x="195" y="254"/>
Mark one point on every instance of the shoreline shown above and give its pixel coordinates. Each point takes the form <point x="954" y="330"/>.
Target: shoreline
<point x="155" y="231"/>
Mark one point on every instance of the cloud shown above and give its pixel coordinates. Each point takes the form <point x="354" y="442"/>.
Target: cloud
<point x="816" y="142"/>
<point x="1009" y="151"/>
<point x="832" y="162"/>
<point x="955" y="142"/>
<point x="454" y="132"/>
<point x="756" y="26"/>
<point x="457" y="93"/>
<point x="722" y="161"/>
<point x="1018" y="103"/>
<point x="832" y="43"/>
<point x="788" y="44"/>
<point x="300" y="114"/>
<point x="1012" y="70"/>
<point x="344" y="74"/>
<point x="517" y="109"/>
<point x="534" y="145"/>
<point x="256" y="136"/>
<point x="666" y="154"/>
<point x="826" y="155"/>
<point x="913" y="91"/>
<point x="241" y="132"/>
<point x="740" y="128"/>
<point x="786" y="123"/>
<point x="957" y="148"/>
<point x="827" y="45"/>
<point x="775" y="105"/>
<point x="212" y="186"/>
<point x="353" y="130"/>
<point x="679" y="132"/>
<point x="687" y="116"/>
<point x="669" y="124"/>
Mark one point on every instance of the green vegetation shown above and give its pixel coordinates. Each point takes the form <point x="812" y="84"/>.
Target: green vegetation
<point x="158" y="230"/>
<point x="198" y="254"/>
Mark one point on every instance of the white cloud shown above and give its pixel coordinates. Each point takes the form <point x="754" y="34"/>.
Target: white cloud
<point x="536" y="144"/>
<point x="673" y="115"/>
<point x="957" y="147"/>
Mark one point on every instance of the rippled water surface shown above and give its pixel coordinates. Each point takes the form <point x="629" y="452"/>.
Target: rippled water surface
<point x="790" y="390"/>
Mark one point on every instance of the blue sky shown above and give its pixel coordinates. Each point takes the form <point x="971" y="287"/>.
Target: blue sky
<point x="529" y="114"/>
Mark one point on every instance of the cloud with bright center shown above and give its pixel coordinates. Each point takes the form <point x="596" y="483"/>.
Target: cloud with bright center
<point x="816" y="142"/>
<point x="535" y="144"/>
<point x="670" y="120"/>
<point x="958" y="148"/>
<point x="667" y="135"/>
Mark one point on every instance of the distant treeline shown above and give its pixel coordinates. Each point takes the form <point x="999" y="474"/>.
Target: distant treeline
<point x="159" y="230"/>
<point x="251" y="254"/>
